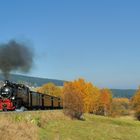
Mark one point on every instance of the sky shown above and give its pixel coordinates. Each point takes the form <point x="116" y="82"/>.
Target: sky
<point x="98" y="40"/>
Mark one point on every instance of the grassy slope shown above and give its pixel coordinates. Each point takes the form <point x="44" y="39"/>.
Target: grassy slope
<point x="53" y="125"/>
<point x="93" y="128"/>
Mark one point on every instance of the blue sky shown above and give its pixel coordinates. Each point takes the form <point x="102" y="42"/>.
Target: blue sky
<point x="96" y="40"/>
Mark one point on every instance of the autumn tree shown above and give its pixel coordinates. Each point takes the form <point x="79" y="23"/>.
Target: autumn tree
<point x="50" y="89"/>
<point x="72" y="100"/>
<point x="90" y="96"/>
<point x="104" y="102"/>
<point x="83" y="91"/>
<point x="135" y="101"/>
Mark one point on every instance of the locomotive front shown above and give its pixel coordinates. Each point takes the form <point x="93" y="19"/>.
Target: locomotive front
<point x="7" y="97"/>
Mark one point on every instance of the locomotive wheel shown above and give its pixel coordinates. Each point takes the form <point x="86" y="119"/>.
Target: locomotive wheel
<point x="5" y="109"/>
<point x="19" y="103"/>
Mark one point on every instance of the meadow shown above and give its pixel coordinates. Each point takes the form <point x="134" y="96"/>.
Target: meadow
<point x="54" y="125"/>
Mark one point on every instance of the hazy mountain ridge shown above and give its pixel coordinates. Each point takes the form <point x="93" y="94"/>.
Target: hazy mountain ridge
<point x="124" y="93"/>
<point x="34" y="81"/>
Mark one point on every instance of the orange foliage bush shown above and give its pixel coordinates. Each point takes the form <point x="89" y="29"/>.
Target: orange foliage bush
<point x="72" y="100"/>
<point x="104" y="102"/>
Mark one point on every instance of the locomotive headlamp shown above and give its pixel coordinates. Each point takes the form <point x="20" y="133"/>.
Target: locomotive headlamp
<point x="6" y="92"/>
<point x="6" y="89"/>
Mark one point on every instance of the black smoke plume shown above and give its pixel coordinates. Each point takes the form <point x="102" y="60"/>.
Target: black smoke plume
<point x="15" y="56"/>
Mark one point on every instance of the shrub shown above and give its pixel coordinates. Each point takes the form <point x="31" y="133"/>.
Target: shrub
<point x="137" y="114"/>
<point x="120" y="107"/>
<point x="72" y="101"/>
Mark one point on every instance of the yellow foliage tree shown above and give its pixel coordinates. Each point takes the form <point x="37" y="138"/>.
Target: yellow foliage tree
<point x="88" y="92"/>
<point x="72" y="100"/>
<point x="50" y="89"/>
<point x="90" y="96"/>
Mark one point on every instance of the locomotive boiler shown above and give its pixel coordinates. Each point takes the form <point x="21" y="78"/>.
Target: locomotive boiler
<point x="15" y="96"/>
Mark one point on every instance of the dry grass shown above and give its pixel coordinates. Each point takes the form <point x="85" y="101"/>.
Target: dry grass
<point x="26" y="125"/>
<point x="12" y="129"/>
<point x="54" y="125"/>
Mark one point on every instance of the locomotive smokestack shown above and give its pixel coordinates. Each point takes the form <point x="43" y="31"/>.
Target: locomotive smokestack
<point x="15" y="56"/>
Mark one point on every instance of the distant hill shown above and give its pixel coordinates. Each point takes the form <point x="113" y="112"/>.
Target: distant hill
<point x="125" y="93"/>
<point x="34" y="81"/>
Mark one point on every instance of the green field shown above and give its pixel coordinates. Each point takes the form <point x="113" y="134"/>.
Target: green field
<point x="54" y="125"/>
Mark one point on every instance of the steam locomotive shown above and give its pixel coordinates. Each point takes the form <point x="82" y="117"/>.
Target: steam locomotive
<point x="15" y="96"/>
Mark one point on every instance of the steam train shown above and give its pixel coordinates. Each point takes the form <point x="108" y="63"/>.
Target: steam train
<point x="15" y="96"/>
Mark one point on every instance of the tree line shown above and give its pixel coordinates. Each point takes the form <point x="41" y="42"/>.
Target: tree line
<point x="80" y="96"/>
